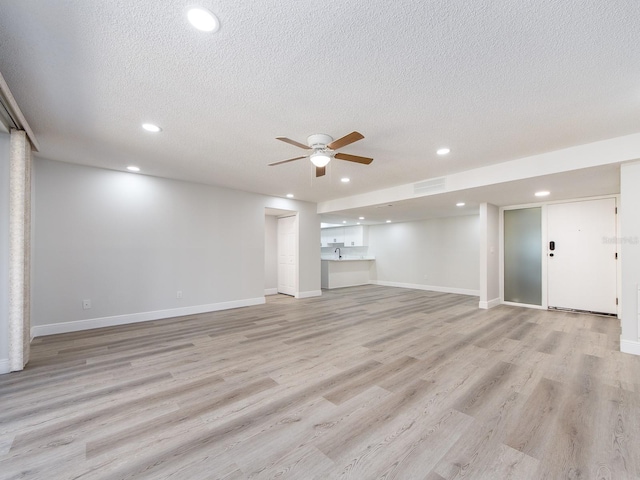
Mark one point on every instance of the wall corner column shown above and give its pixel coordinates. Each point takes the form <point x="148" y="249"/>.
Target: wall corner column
<point x="489" y="258"/>
<point x="630" y="257"/>
<point x="19" y="249"/>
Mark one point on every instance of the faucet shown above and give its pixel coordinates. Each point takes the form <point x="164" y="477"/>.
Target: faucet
<point x="339" y="253"/>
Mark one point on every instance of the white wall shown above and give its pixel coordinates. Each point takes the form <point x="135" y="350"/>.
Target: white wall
<point x="630" y="255"/>
<point x="439" y="254"/>
<point x="270" y="254"/>
<point x="129" y="242"/>
<point x="489" y="256"/>
<point x="4" y="252"/>
<point x="309" y="247"/>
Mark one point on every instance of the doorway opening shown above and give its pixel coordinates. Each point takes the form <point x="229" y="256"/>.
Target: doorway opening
<point x="562" y="256"/>
<point x="281" y="252"/>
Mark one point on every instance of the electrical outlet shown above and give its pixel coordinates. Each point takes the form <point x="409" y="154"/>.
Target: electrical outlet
<point x="86" y="304"/>
<point x="179" y="294"/>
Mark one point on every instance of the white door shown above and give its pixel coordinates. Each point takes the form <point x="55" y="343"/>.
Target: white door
<point x="288" y="255"/>
<point x="581" y="255"/>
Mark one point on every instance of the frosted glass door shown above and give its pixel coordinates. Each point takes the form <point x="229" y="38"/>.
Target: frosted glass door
<point x="523" y="256"/>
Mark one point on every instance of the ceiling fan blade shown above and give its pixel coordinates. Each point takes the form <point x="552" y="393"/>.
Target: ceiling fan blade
<point x="320" y="171"/>
<point x="353" y="158"/>
<point x="285" y="161"/>
<point x="346" y="140"/>
<point x="293" y="142"/>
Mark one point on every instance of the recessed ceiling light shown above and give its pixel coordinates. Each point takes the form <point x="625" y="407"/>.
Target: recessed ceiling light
<point x="133" y="168"/>
<point x="360" y="218"/>
<point x="388" y="221"/>
<point x="345" y="180"/>
<point x="150" y="127"/>
<point x="460" y="204"/>
<point x="289" y="195"/>
<point x="203" y="19"/>
<point x="344" y="221"/>
<point x="358" y="223"/>
<point x="542" y="193"/>
<point x="443" y="151"/>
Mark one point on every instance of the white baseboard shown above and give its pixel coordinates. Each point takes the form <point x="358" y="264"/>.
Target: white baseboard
<point x="4" y="365"/>
<point x="431" y="288"/>
<point x="629" y="346"/>
<point x="270" y="291"/>
<point x="91" y="323"/>
<point x="309" y="294"/>
<point x="490" y="304"/>
<point x="347" y="286"/>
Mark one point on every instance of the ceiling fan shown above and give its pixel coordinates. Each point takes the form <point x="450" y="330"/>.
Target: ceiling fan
<point x="324" y="149"/>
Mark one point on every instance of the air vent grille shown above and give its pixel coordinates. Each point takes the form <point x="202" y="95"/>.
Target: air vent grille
<point x="433" y="185"/>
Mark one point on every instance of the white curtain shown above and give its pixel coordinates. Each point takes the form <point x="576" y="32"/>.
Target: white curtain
<point x="19" y="250"/>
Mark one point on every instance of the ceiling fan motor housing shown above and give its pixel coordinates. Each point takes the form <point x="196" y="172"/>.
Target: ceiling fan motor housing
<point x="319" y="140"/>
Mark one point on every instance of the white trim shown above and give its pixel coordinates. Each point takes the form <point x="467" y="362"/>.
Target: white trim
<point x="309" y="294"/>
<point x="431" y="288"/>
<point x="347" y="286"/>
<point x="88" y="324"/>
<point x="525" y="305"/>
<point x="270" y="291"/>
<point x="4" y="366"/>
<point x="629" y="346"/>
<point x="490" y="304"/>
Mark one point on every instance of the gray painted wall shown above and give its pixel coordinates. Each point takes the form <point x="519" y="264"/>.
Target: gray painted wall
<point x="441" y="252"/>
<point x="129" y="242"/>
<point x="4" y="245"/>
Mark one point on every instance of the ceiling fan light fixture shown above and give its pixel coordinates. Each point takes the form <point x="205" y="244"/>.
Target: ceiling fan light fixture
<point x="320" y="159"/>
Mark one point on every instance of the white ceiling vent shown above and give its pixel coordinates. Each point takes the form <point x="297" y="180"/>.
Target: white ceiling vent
<point x="433" y="185"/>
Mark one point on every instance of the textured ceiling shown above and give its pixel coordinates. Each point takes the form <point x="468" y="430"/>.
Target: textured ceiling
<point x="493" y="80"/>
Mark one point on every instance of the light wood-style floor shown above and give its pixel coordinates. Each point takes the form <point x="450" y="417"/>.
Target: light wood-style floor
<point x="364" y="383"/>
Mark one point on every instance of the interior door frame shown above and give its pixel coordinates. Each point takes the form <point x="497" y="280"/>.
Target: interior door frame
<point x="297" y="251"/>
<point x="543" y="252"/>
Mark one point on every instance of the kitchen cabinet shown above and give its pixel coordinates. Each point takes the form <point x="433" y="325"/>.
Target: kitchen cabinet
<point x="345" y="273"/>
<point x="330" y="236"/>
<point x="352" y="236"/>
<point x="355" y="236"/>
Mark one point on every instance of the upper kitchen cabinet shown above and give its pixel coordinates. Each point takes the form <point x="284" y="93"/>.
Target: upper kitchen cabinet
<point x="353" y="236"/>
<point x="356" y="236"/>
<point x="329" y="236"/>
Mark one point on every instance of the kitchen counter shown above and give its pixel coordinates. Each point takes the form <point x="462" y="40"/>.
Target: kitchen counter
<point x="345" y="272"/>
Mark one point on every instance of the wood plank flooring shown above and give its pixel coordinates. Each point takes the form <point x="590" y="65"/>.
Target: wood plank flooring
<point x="364" y="383"/>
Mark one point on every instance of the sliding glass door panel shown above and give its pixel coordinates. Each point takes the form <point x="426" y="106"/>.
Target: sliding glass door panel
<point x="523" y="256"/>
